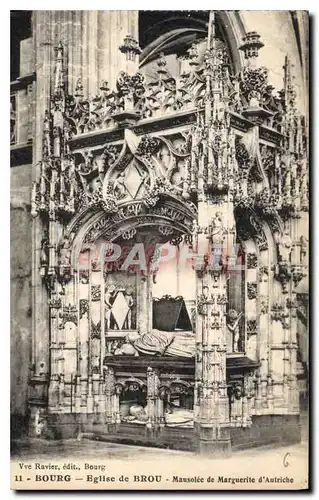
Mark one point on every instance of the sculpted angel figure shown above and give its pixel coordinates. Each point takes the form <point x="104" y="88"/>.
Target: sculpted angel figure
<point x="232" y="321"/>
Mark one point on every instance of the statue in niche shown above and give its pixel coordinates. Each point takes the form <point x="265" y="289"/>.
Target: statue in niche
<point x="83" y="330"/>
<point x="232" y="321"/>
<point x="127" y="325"/>
<point x="120" y="190"/>
<point x="44" y="255"/>
<point x="284" y="247"/>
<point x="217" y="229"/>
<point x="109" y="298"/>
<point x="65" y="252"/>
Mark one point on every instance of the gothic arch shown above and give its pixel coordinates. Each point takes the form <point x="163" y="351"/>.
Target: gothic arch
<point x="174" y="38"/>
<point x="94" y="222"/>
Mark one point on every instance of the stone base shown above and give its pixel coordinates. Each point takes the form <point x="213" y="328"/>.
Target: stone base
<point x="214" y="441"/>
<point x="63" y="425"/>
<point x="265" y="430"/>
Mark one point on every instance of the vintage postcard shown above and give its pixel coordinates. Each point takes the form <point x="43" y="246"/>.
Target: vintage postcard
<point x="159" y="250"/>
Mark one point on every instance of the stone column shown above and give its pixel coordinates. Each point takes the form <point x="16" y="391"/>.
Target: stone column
<point x="51" y="29"/>
<point x="40" y="310"/>
<point x="90" y="404"/>
<point x="152" y="397"/>
<point x="213" y="419"/>
<point x="102" y="400"/>
<point x="109" y="395"/>
<point x="297" y="276"/>
<point x="281" y="321"/>
<point x="143" y="304"/>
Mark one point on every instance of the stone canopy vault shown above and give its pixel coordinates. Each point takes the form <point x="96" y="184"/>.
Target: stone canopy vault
<point x="194" y="149"/>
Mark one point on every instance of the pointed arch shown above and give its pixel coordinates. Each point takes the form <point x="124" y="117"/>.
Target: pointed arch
<point x="168" y="35"/>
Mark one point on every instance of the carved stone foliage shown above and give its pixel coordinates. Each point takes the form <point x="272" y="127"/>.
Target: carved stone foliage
<point x="283" y="275"/>
<point x="252" y="260"/>
<point x="84" y="115"/>
<point x="258" y="101"/>
<point x="253" y="85"/>
<point x="54" y="304"/>
<point x="146" y="169"/>
<point x="175" y="386"/>
<point x="95" y="293"/>
<point x="139" y="213"/>
<point x="242" y="156"/>
<point x="148" y="146"/>
<point x="263" y="273"/>
<point x="280" y="313"/>
<point x="70" y="314"/>
<point x="251" y="290"/>
<point x="109" y="380"/>
<point x="251" y="327"/>
<point x="66" y="185"/>
<point x="153" y="96"/>
<point x="95" y="330"/>
<point x="266" y="202"/>
<point x="297" y="274"/>
<point x="263" y="304"/>
<point x="84" y="308"/>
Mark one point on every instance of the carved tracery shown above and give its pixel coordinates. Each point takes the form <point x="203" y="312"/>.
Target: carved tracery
<point x="173" y="144"/>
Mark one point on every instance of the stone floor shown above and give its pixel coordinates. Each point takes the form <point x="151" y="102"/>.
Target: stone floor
<point x="39" y="448"/>
<point x="32" y="449"/>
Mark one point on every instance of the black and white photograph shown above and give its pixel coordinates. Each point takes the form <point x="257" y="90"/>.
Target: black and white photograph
<point x="159" y="237"/>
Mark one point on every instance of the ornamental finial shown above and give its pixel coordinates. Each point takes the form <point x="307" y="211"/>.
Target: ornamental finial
<point x="251" y="45"/>
<point x="130" y="48"/>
